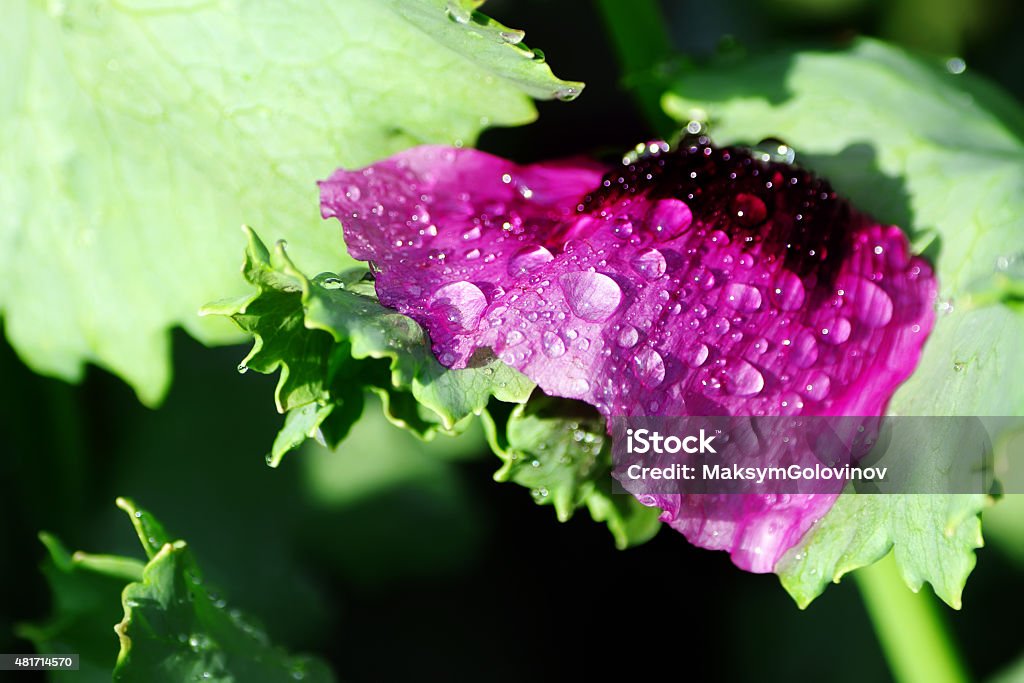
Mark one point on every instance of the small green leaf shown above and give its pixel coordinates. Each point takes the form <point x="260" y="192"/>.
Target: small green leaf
<point x="138" y="136"/>
<point x="559" y="450"/>
<point x="331" y="340"/>
<point x="175" y="630"/>
<point x="86" y="604"/>
<point x="941" y="155"/>
<point x="150" y="531"/>
<point x="172" y="628"/>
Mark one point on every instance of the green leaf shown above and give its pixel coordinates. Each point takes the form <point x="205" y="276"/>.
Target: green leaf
<point x="172" y="628"/>
<point x="331" y="339"/>
<point x="560" y="451"/>
<point x="941" y="155"/>
<point x="137" y="136"/>
<point x="933" y="538"/>
<point x="86" y="604"/>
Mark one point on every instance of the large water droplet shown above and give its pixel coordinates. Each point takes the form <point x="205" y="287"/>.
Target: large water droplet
<point x="787" y="292"/>
<point x="514" y="337"/>
<point x="622" y="227"/>
<point x="699" y="356"/>
<point x="743" y="379"/>
<point x="650" y="263"/>
<point x="461" y="303"/>
<point x="649" y="367"/>
<point x="528" y="259"/>
<point x="836" y="332"/>
<point x="749" y="210"/>
<point x="743" y="297"/>
<point x="552" y="344"/>
<point x="669" y="218"/>
<point x="628" y="337"/>
<point x="816" y="386"/>
<point x="773" y="149"/>
<point x="804" y="351"/>
<point x="594" y="297"/>
<point x="871" y="305"/>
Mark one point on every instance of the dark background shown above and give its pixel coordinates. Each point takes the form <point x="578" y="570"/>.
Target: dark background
<point x="399" y="561"/>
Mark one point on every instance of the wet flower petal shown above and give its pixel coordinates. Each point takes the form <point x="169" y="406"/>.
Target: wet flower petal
<point x="694" y="282"/>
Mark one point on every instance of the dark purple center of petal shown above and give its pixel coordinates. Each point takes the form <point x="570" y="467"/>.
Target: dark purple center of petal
<point x="776" y="209"/>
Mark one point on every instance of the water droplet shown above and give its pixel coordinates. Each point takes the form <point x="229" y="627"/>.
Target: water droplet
<point x="628" y="337"/>
<point x="871" y="305"/>
<point x="743" y="297"/>
<point x="669" y="218"/>
<point x="773" y="149"/>
<point x="353" y="192"/>
<point x="458" y="12"/>
<point x="816" y="386"/>
<point x="787" y="292"/>
<point x="572" y="386"/>
<point x="552" y="344"/>
<point x="743" y="379"/>
<point x="567" y="94"/>
<point x="650" y="263"/>
<point x="472" y="254"/>
<point x="703" y="278"/>
<point x="699" y="356"/>
<point x="332" y="283"/>
<point x="461" y="303"/>
<point x="649" y="367"/>
<point x="198" y="642"/>
<point x="720" y="325"/>
<point x="804" y="351"/>
<point x="956" y="65"/>
<point x="749" y="210"/>
<point x="790" y="404"/>
<point x="512" y="36"/>
<point x="528" y="259"/>
<point x="243" y="368"/>
<point x="594" y="297"/>
<point x="622" y="227"/>
<point x="514" y="337"/>
<point x="836" y="332"/>
<point x="472" y="234"/>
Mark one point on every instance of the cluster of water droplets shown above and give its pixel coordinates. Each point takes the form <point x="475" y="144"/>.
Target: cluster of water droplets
<point x="699" y="280"/>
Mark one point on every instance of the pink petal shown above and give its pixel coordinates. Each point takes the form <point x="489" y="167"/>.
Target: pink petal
<point x="693" y="282"/>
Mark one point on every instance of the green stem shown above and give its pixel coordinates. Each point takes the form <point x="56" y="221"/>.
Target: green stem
<point x="910" y="628"/>
<point x="637" y="32"/>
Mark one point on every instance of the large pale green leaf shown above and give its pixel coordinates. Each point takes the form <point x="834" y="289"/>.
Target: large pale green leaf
<point x="331" y="340"/>
<point x="940" y="154"/>
<point x="138" y="135"/>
